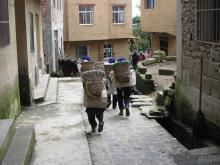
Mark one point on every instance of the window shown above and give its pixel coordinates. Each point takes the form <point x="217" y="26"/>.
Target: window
<point x="107" y="51"/>
<point x="82" y="51"/>
<point x="31" y="26"/>
<point x="86" y="14"/>
<point x="4" y="23"/>
<point x="208" y="20"/>
<point x="149" y="4"/>
<point x="118" y="14"/>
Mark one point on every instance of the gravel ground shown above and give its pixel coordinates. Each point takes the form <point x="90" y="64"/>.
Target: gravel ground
<point x="161" y="81"/>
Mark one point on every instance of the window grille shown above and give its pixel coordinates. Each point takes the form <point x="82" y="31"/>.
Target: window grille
<point x="149" y="4"/>
<point x="86" y="14"/>
<point x="31" y="26"/>
<point x="107" y="51"/>
<point x="4" y="23"/>
<point x="118" y="14"/>
<point x="208" y="20"/>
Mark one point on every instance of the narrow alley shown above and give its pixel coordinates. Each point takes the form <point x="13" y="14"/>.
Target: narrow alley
<point x="61" y="134"/>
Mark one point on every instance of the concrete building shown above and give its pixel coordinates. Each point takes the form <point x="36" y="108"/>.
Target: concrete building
<point x="52" y="17"/>
<point x="29" y="47"/>
<point x="99" y="28"/>
<point x="158" y="17"/>
<point x="198" y="37"/>
<point x="9" y="86"/>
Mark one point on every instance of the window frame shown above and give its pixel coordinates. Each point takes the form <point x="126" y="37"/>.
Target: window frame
<point x="85" y="16"/>
<point x="147" y="2"/>
<point x="118" y="12"/>
<point x="78" y="52"/>
<point x="4" y="24"/>
<point x="31" y="31"/>
<point x="208" y="30"/>
<point x="107" y="48"/>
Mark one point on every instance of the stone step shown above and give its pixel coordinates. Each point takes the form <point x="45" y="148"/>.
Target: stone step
<point x="21" y="148"/>
<point x="166" y="72"/>
<point x="7" y="129"/>
<point x="170" y="58"/>
<point x="41" y="89"/>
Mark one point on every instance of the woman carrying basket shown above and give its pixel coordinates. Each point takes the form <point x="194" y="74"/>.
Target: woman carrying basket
<point x="124" y="80"/>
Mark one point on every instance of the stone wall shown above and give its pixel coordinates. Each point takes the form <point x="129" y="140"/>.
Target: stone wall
<point x="188" y="73"/>
<point x="9" y="87"/>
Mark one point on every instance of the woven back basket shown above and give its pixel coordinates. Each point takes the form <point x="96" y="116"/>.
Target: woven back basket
<point x="93" y="82"/>
<point x="122" y="72"/>
<point x="99" y="66"/>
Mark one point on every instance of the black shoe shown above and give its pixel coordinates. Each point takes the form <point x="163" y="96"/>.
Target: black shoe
<point x="100" y="129"/>
<point x="127" y="112"/>
<point x="94" y="129"/>
<point x="114" y="107"/>
<point x="121" y="113"/>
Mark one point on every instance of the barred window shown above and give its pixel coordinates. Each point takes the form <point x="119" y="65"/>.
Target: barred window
<point x="107" y="51"/>
<point x="149" y="4"/>
<point x="31" y="27"/>
<point x="86" y="14"/>
<point x="118" y="14"/>
<point x="4" y="23"/>
<point x="208" y="20"/>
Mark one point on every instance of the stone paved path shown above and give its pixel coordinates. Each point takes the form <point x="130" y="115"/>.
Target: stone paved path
<point x="61" y="139"/>
<point x="132" y="141"/>
<point x="60" y="135"/>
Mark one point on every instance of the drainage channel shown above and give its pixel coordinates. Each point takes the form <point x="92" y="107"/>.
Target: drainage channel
<point x="181" y="132"/>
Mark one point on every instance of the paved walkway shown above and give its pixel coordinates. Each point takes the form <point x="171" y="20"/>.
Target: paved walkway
<point x="60" y="135"/>
<point x="61" y="139"/>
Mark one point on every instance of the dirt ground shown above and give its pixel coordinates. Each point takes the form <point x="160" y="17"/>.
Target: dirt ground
<point x="160" y="80"/>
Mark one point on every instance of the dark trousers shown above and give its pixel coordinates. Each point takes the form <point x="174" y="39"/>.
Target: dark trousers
<point x="95" y="113"/>
<point x="114" y="99"/>
<point x="123" y="97"/>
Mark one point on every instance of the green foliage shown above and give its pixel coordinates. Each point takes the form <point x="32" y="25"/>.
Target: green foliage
<point x="143" y="39"/>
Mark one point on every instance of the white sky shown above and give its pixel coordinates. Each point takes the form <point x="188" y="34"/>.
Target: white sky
<point x="135" y="9"/>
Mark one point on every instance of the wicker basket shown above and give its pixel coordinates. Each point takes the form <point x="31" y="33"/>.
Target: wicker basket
<point x="99" y="66"/>
<point x="94" y="89"/>
<point x="93" y="81"/>
<point x="122" y="72"/>
<point x="86" y="66"/>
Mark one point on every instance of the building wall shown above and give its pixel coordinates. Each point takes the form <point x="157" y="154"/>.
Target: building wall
<point x="52" y="21"/>
<point x="188" y="75"/>
<point x="102" y="28"/>
<point x="121" y="30"/>
<point x="155" y="43"/>
<point x="120" y="48"/>
<point x="9" y="86"/>
<point x="162" y="18"/>
<point x="28" y="63"/>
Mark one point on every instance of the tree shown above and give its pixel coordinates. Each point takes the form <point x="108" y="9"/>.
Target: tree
<point x="143" y="39"/>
